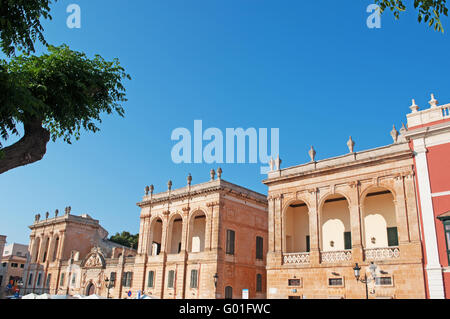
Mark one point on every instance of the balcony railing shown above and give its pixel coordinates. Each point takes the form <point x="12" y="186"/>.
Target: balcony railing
<point x="296" y="258"/>
<point x="336" y="256"/>
<point x="382" y="253"/>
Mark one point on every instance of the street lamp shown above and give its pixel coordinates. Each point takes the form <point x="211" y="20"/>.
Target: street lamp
<point x="216" y="277"/>
<point x="365" y="280"/>
<point x="109" y="285"/>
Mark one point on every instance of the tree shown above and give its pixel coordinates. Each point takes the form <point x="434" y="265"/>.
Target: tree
<point x="429" y="10"/>
<point x="126" y="239"/>
<point x="55" y="95"/>
<point x="20" y="24"/>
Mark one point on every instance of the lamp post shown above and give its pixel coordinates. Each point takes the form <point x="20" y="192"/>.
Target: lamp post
<point x="365" y="280"/>
<point x="109" y="285"/>
<point x="216" y="277"/>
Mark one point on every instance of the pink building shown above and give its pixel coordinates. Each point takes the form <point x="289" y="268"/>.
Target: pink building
<point x="429" y="137"/>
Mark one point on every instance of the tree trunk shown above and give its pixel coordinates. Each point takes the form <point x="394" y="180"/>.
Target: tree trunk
<point x="29" y="149"/>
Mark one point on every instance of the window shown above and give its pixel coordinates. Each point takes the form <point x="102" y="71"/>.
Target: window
<point x="74" y="278"/>
<point x="392" y="234"/>
<point x="294" y="282"/>
<point x="61" y="280"/>
<point x="4" y="264"/>
<point x="38" y="283"/>
<point x="22" y="265"/>
<point x="30" y="279"/>
<point x="308" y="243"/>
<point x="259" y="248"/>
<point x="127" y="279"/>
<point x="335" y="282"/>
<point x="19" y="253"/>
<point x="179" y="247"/>
<point x="258" y="283"/>
<point x="14" y="265"/>
<point x="347" y="240"/>
<point x="112" y="279"/>
<point x="447" y="237"/>
<point x="170" y="279"/>
<point x="47" y="284"/>
<point x="230" y="242"/>
<point x="383" y="281"/>
<point x="151" y="279"/>
<point x="228" y="292"/>
<point x="194" y="276"/>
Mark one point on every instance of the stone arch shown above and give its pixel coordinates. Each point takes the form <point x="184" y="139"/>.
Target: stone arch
<point x="90" y="288"/>
<point x="198" y="221"/>
<point x="296" y="226"/>
<point x="174" y="233"/>
<point x="155" y="235"/>
<point x="378" y="214"/>
<point x="54" y="247"/>
<point x="95" y="259"/>
<point x="334" y="221"/>
<point x="45" y="250"/>
<point x="36" y="249"/>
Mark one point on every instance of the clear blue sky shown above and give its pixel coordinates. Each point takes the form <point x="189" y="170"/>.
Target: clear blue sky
<point x="311" y="68"/>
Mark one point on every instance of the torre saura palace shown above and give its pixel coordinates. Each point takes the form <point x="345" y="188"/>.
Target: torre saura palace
<point x="366" y="224"/>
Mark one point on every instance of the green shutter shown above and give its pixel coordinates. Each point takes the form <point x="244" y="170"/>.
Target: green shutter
<point x="392" y="236"/>
<point x="347" y="240"/>
<point x="230" y="242"/>
<point x="308" y="244"/>
<point x="151" y="275"/>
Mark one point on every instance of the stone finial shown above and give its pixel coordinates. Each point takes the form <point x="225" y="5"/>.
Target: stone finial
<point x="350" y="144"/>
<point x="152" y="188"/>
<point x="147" y="190"/>
<point x="433" y="102"/>
<point x="394" y="134"/>
<point x="189" y="179"/>
<point x="213" y="174"/>
<point x="56" y="213"/>
<point x="46" y="215"/>
<point x="219" y="173"/>
<point x="312" y="154"/>
<point x="67" y="210"/>
<point x="169" y="185"/>
<point x="37" y="217"/>
<point x="414" y="108"/>
<point x="278" y="162"/>
<point x="272" y="164"/>
<point x="403" y="130"/>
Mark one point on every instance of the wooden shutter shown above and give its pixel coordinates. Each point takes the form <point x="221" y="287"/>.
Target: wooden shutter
<point x="259" y="248"/>
<point x="347" y="240"/>
<point x="151" y="275"/>
<point x="194" y="275"/>
<point x="230" y="242"/>
<point x="392" y="236"/>
<point x="308" y="244"/>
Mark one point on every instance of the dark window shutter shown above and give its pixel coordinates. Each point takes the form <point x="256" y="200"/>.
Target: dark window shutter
<point x="308" y="244"/>
<point x="392" y="236"/>
<point x="170" y="279"/>
<point x="112" y="279"/>
<point x="258" y="282"/>
<point x="259" y="248"/>
<point x="151" y="275"/>
<point x="194" y="274"/>
<point x="347" y="240"/>
<point x="230" y="242"/>
<point x="228" y="292"/>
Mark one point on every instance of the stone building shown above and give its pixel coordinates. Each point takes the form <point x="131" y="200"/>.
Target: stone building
<point x="330" y="217"/>
<point x="12" y="265"/>
<point x="200" y="241"/>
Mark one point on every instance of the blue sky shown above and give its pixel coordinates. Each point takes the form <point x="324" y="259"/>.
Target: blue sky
<point x="311" y="68"/>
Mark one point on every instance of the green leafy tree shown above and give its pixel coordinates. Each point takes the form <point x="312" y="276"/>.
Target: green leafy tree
<point x="20" y="24"/>
<point x="125" y="239"/>
<point x="429" y="11"/>
<point x="56" y="95"/>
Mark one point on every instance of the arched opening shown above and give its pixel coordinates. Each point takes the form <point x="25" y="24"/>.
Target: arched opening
<point x="228" y="292"/>
<point x="36" y="249"/>
<point x="175" y="230"/>
<point x="155" y="237"/>
<point x="55" y="249"/>
<point x="335" y="224"/>
<point x="90" y="289"/>
<point x="296" y="225"/>
<point x="197" y="231"/>
<point x="379" y="220"/>
<point x="45" y="252"/>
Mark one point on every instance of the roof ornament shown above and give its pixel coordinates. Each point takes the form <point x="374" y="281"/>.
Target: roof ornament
<point x="278" y="162"/>
<point x="67" y="210"/>
<point x="46" y="215"/>
<point x="147" y="190"/>
<point x="189" y="179"/>
<point x="433" y="102"/>
<point x="350" y="144"/>
<point x="56" y="213"/>
<point x="271" y="164"/>
<point x="219" y="173"/>
<point x="213" y="174"/>
<point x="414" y="108"/>
<point x="394" y="134"/>
<point x="169" y="185"/>
<point x="312" y="154"/>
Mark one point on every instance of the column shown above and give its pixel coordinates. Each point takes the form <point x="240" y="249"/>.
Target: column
<point x="355" y="221"/>
<point x="313" y="213"/>
<point x="400" y="211"/>
<point x="433" y="267"/>
<point x="271" y="223"/>
<point x="411" y="208"/>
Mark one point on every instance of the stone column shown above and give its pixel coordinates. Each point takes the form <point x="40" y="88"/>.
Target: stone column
<point x="141" y="235"/>
<point x="314" y="235"/>
<point x="411" y="207"/>
<point x="278" y="224"/>
<point x="165" y="231"/>
<point x="208" y="230"/>
<point x="271" y="223"/>
<point x="400" y="211"/>
<point x="62" y="240"/>
<point x="355" y="221"/>
<point x="215" y="216"/>
<point x="185" y="230"/>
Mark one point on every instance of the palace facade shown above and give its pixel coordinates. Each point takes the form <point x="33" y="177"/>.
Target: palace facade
<point x="201" y="241"/>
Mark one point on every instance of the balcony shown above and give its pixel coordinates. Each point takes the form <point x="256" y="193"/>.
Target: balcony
<point x="296" y="258"/>
<point x="337" y="256"/>
<point x="382" y="253"/>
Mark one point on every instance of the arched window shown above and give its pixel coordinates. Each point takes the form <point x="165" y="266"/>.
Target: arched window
<point x="197" y="226"/>
<point x="335" y="224"/>
<point x="30" y="279"/>
<point x="155" y="239"/>
<point x="55" y="249"/>
<point x="175" y="230"/>
<point x="44" y="257"/>
<point x="297" y="228"/>
<point x="228" y="292"/>
<point x="258" y="283"/>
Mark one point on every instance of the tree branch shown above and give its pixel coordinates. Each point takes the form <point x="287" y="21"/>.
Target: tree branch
<point x="29" y="149"/>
